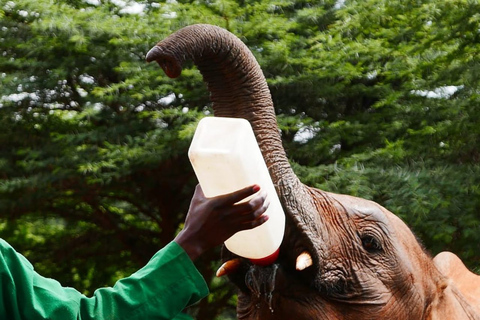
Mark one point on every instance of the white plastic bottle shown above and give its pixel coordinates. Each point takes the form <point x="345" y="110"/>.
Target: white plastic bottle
<point x="225" y="157"/>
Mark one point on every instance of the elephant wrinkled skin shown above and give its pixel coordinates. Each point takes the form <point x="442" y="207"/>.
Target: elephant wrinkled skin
<point x="365" y="262"/>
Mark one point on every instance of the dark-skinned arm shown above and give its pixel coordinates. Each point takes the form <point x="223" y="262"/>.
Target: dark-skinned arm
<point x="211" y="221"/>
<point x="160" y="290"/>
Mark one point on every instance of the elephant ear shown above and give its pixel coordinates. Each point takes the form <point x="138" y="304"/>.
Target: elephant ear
<point x="463" y="279"/>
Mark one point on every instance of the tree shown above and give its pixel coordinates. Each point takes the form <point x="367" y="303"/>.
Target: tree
<point x="376" y="99"/>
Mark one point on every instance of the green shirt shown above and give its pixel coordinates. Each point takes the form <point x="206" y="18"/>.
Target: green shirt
<point x="160" y="290"/>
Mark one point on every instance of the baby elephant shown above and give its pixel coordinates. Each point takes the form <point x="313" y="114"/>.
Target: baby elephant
<point x="342" y="257"/>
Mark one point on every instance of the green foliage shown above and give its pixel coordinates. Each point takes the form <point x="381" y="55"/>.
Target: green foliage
<point x="378" y="99"/>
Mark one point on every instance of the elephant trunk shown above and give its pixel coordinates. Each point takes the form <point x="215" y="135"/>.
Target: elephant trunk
<point x="238" y="89"/>
<point x="236" y="83"/>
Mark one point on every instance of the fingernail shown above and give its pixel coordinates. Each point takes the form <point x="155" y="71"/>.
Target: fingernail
<point x="265" y="218"/>
<point x="256" y="188"/>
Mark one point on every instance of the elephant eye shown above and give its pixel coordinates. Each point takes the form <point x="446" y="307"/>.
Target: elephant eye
<point x="371" y="244"/>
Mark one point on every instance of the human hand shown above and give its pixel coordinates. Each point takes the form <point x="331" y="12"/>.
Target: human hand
<point x="211" y="221"/>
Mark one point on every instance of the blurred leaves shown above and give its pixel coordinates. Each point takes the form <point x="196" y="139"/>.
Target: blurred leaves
<point x="377" y="99"/>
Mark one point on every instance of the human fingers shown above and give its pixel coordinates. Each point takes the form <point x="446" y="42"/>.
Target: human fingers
<point x="251" y="209"/>
<point x="250" y="224"/>
<point x="236" y="196"/>
<point x="248" y="220"/>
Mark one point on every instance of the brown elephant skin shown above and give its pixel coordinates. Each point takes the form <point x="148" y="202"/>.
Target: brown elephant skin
<point x="366" y="263"/>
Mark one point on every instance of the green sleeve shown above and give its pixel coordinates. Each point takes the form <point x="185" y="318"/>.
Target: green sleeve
<point x="160" y="290"/>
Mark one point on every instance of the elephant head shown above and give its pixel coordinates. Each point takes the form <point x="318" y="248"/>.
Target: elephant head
<point x="362" y="261"/>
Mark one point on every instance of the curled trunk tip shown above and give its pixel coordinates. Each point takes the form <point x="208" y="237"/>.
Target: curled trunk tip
<point x="168" y="62"/>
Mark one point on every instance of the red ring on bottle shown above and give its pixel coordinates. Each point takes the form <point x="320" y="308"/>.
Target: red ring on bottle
<point x="266" y="261"/>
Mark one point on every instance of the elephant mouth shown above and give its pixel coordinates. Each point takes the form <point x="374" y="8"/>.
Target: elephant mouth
<point x="291" y="276"/>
